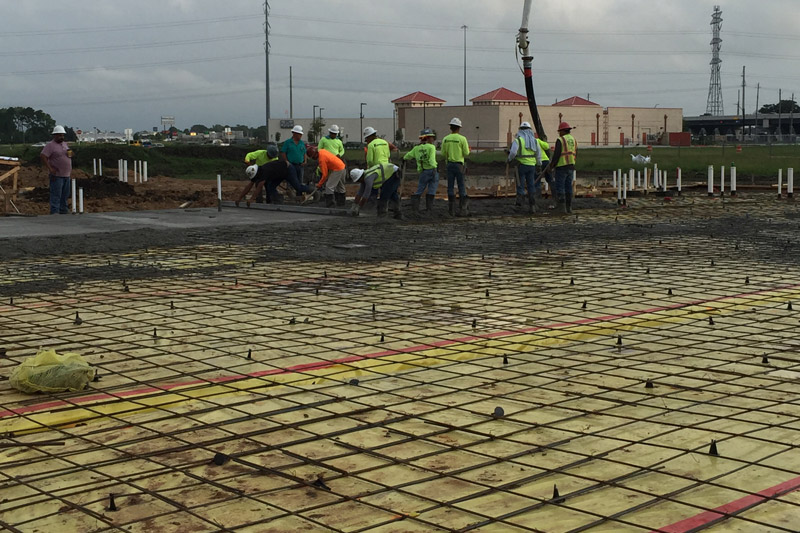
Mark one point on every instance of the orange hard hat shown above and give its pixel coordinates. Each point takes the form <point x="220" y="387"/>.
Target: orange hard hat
<point x="564" y="126"/>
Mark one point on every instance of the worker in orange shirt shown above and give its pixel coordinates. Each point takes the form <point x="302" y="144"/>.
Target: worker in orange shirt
<point x="332" y="170"/>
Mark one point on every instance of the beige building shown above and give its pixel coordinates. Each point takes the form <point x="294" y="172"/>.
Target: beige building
<point x="494" y="117"/>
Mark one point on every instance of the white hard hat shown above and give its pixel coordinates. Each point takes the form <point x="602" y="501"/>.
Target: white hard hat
<point x="298" y="129"/>
<point x="334" y="129"/>
<point x="369" y="130"/>
<point x="59" y="129"/>
<point x="251" y="171"/>
<point x="456" y="122"/>
<point x="356" y="174"/>
<point x="525" y="125"/>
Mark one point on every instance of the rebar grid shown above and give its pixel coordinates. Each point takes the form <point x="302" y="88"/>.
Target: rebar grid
<point x="468" y="325"/>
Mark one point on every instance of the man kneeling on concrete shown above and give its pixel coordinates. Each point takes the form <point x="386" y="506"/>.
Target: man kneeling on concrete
<point x="382" y="176"/>
<point x="332" y="170"/>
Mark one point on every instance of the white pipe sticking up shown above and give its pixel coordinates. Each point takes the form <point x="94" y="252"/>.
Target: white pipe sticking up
<point x="646" y="184"/>
<point x="733" y="180"/>
<point x="631" y="181"/>
<point x="74" y="205"/>
<point x="119" y="169"/>
<point x="219" y="187"/>
<point x="135" y="171"/>
<point x="625" y="190"/>
<point x="722" y="180"/>
<point x="780" y="183"/>
<point x="710" y="180"/>
<point x="614" y="179"/>
<point x="125" y="169"/>
<point x="94" y="166"/>
<point x="145" y="171"/>
<point x="664" y="175"/>
<point x="80" y="200"/>
<point x="100" y="161"/>
<point x="639" y="179"/>
<point x="656" y="177"/>
<point x="619" y="190"/>
<point x="790" y="183"/>
<point x="680" y="182"/>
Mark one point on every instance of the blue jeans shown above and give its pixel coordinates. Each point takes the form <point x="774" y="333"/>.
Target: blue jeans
<point x="563" y="182"/>
<point x="527" y="178"/>
<point x="389" y="189"/>
<point x="295" y="179"/>
<point x="428" y="179"/>
<point x="455" y="172"/>
<point x="59" y="192"/>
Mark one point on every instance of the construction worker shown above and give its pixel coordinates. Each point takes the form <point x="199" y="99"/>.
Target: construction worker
<point x="332" y="170"/>
<point x="563" y="161"/>
<point x="382" y="177"/>
<point x="259" y="158"/>
<point x="332" y="142"/>
<point x="293" y="151"/>
<point x="547" y="176"/>
<point x="425" y="154"/>
<point x="454" y="150"/>
<point x="272" y="174"/>
<point x="378" y="150"/>
<point x="526" y="150"/>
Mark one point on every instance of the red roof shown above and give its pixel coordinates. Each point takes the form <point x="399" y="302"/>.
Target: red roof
<point x="500" y="95"/>
<point x="575" y="101"/>
<point x="418" y="96"/>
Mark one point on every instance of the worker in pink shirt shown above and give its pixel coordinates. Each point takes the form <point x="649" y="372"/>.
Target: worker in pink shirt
<point x="57" y="157"/>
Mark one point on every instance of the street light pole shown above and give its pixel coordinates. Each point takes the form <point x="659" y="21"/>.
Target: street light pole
<point x="361" y="114"/>
<point x="464" y="27"/>
<point x="313" y="118"/>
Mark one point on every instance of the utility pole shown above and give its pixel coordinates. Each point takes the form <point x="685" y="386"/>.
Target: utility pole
<point x="266" y="63"/>
<point x="361" y="114"/>
<point x="758" y="94"/>
<point x="780" y="126"/>
<point x="291" y="110"/>
<point x="791" y="117"/>
<point x="744" y="112"/>
<point x="464" y="27"/>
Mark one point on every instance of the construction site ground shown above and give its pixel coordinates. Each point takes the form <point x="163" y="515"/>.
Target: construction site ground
<point x="615" y="370"/>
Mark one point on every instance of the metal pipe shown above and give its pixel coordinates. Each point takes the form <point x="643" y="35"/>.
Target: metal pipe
<point x="790" y="183"/>
<point x="710" y="180"/>
<point x="80" y="200"/>
<point x="733" y="180"/>
<point x="74" y="206"/>
<point x="722" y="180"/>
<point x="780" y="183"/>
<point x="680" y="181"/>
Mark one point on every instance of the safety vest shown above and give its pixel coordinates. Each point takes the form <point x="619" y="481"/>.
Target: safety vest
<point x="378" y="152"/>
<point x="384" y="171"/>
<point x="569" y="148"/>
<point x="544" y="147"/>
<point x="525" y="155"/>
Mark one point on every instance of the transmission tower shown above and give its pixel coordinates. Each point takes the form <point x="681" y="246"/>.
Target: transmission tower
<point x="714" y="104"/>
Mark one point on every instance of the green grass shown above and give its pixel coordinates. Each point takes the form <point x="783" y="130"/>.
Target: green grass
<point x="205" y="162"/>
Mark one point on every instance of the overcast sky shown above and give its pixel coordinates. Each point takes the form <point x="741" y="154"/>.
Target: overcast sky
<point x="115" y="65"/>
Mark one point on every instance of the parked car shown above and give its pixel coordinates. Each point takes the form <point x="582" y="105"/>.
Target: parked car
<point x="39" y="145"/>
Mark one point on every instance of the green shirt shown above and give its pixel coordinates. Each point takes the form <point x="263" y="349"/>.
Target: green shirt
<point x="295" y="153"/>
<point x="545" y="147"/>
<point x="334" y="146"/>
<point x="259" y="157"/>
<point x="455" y="148"/>
<point x="377" y="152"/>
<point x="425" y="155"/>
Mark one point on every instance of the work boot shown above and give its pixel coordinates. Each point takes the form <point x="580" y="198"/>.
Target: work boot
<point x="520" y="200"/>
<point x="451" y="205"/>
<point x="382" y="208"/>
<point x="329" y="201"/>
<point x="429" y="202"/>
<point x="354" y="211"/>
<point x="568" y="205"/>
<point x="395" y="207"/>
<point x="463" y="206"/>
<point x="341" y="198"/>
<point x="561" y="205"/>
<point x="531" y="205"/>
<point x="415" y="203"/>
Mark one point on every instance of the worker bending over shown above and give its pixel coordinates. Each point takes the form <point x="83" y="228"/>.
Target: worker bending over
<point x="272" y="174"/>
<point x="381" y="177"/>
<point x="257" y="160"/>
<point x="525" y="149"/>
<point x="332" y="171"/>
<point x="454" y="150"/>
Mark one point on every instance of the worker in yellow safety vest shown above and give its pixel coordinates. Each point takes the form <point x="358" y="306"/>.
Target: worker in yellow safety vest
<point x="454" y="150"/>
<point x="525" y="149"/>
<point x="563" y="160"/>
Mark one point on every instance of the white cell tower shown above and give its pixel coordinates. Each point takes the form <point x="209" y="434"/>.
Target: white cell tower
<point x="714" y="105"/>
